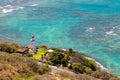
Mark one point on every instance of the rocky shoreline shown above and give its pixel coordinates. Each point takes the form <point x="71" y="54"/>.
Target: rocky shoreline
<point x="99" y="65"/>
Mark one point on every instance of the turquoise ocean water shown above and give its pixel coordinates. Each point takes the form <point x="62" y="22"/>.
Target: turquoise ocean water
<point x="90" y="26"/>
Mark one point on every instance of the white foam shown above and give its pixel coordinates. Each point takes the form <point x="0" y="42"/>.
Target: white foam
<point x="18" y="8"/>
<point x="99" y="64"/>
<point x="34" y="5"/>
<point x="111" y="33"/>
<point x="9" y="8"/>
<point x="90" y="29"/>
<point x="114" y="27"/>
<point x="21" y="7"/>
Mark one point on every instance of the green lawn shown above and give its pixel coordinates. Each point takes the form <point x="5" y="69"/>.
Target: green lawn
<point x="39" y="53"/>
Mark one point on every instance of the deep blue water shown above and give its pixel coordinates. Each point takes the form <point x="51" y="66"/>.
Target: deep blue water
<point x="90" y="26"/>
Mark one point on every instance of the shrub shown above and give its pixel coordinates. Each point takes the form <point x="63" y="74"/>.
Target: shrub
<point x="26" y="74"/>
<point x="48" y="62"/>
<point x="5" y="77"/>
<point x="56" y="57"/>
<point x="33" y="64"/>
<point x="78" y="57"/>
<point x="78" y="67"/>
<point x="64" y="61"/>
<point x="12" y="64"/>
<point x="71" y="52"/>
<point x="88" y="70"/>
<point x="91" y="64"/>
<point x="43" y="69"/>
<point x="29" y="55"/>
<point x="96" y="74"/>
<point x="8" y="47"/>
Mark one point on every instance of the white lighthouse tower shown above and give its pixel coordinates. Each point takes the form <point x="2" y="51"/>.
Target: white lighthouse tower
<point x="33" y="43"/>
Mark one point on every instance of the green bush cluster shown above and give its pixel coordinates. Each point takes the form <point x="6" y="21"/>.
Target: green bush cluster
<point x="29" y="55"/>
<point x="70" y="52"/>
<point x="78" y="63"/>
<point x="58" y="57"/>
<point x="82" y="65"/>
<point x="8" y="47"/>
<point x="43" y="69"/>
<point x="91" y="64"/>
<point x="78" y="67"/>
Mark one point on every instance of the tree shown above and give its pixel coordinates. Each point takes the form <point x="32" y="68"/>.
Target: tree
<point x="56" y="57"/>
<point x="78" y="67"/>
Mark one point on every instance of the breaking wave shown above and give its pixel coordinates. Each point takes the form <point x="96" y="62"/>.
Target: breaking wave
<point x="10" y="8"/>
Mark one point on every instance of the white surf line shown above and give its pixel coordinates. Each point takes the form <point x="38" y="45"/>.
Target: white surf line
<point x="99" y="64"/>
<point x="10" y="8"/>
<point x="34" y="4"/>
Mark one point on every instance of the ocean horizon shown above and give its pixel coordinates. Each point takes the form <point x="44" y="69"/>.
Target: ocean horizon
<point x="92" y="27"/>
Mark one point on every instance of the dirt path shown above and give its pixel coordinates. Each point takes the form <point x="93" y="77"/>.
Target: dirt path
<point x="55" y="69"/>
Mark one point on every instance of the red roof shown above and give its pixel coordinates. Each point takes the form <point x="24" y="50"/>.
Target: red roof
<point x="21" y="50"/>
<point x="29" y="46"/>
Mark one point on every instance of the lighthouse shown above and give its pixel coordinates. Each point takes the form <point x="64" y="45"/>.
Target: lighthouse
<point x="33" y="43"/>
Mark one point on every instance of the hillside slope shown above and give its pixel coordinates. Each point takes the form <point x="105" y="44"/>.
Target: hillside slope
<point x="13" y="66"/>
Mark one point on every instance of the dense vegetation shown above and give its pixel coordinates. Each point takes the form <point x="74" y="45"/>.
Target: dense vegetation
<point x="16" y="67"/>
<point x="77" y="62"/>
<point x="9" y="47"/>
<point x="71" y="59"/>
